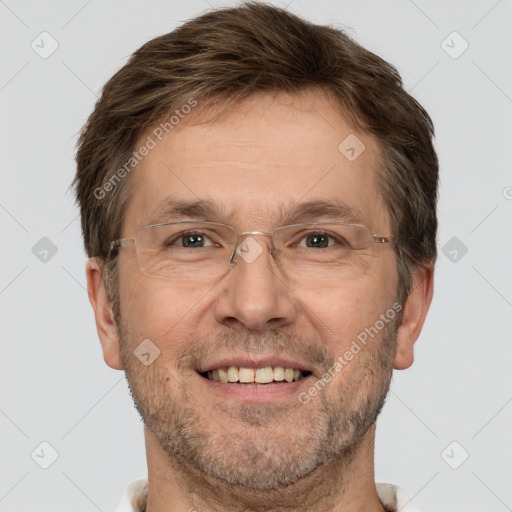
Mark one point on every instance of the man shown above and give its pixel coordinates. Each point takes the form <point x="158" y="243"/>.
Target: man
<point x="258" y="200"/>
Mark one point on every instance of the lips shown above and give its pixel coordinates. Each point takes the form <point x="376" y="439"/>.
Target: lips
<point x="261" y="370"/>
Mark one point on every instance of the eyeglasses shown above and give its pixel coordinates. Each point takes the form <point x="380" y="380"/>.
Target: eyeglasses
<point x="207" y="250"/>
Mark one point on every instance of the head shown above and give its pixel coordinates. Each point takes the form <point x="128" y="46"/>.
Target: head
<point x="244" y="110"/>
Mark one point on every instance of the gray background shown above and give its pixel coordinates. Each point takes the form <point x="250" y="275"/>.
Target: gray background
<point x="55" y="385"/>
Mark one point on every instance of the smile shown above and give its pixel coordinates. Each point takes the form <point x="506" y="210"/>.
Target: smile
<point x="264" y="375"/>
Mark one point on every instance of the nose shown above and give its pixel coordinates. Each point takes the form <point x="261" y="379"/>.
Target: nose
<point x="254" y="293"/>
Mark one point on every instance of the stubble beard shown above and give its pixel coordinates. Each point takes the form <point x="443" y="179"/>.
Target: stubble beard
<point x="262" y="447"/>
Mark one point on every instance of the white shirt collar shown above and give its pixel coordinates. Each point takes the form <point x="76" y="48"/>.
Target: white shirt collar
<point x="391" y="496"/>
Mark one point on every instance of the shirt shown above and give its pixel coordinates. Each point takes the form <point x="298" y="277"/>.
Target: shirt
<point x="391" y="496"/>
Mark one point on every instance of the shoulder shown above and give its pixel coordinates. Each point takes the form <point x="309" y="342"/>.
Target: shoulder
<point x="394" y="498"/>
<point x="135" y="497"/>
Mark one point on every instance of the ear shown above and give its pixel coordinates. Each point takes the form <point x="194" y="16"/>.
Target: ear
<point x="413" y="317"/>
<point x="105" y="323"/>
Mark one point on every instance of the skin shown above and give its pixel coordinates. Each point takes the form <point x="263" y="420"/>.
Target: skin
<point x="210" y="452"/>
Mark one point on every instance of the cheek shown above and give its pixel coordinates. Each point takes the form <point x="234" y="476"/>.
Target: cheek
<point x="341" y="313"/>
<point x="162" y="311"/>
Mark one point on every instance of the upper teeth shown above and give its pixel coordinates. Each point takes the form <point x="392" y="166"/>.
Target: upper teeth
<point x="259" y="375"/>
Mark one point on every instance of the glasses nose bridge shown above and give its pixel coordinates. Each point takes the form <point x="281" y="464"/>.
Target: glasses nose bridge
<point x="246" y="233"/>
<point x="243" y="235"/>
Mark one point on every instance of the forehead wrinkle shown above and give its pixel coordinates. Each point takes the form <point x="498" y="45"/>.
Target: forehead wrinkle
<point x="335" y="210"/>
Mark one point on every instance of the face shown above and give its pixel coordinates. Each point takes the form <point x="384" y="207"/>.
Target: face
<point x="266" y="156"/>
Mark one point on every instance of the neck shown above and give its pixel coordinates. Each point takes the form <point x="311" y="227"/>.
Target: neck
<point x="346" y="484"/>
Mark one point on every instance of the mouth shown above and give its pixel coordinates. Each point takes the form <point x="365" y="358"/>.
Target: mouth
<point x="242" y="375"/>
<point x="246" y="378"/>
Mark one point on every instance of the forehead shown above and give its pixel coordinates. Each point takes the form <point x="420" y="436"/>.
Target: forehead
<point x="255" y="164"/>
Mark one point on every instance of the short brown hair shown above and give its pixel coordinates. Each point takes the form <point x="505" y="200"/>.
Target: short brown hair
<point x="229" y="54"/>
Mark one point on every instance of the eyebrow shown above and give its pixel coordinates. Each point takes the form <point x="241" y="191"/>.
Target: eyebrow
<point x="177" y="209"/>
<point x="335" y="210"/>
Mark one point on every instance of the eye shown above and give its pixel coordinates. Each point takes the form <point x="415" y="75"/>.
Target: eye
<point x="319" y="240"/>
<point x="191" y="239"/>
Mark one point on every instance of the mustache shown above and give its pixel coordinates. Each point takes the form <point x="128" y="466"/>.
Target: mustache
<point x="278" y="342"/>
